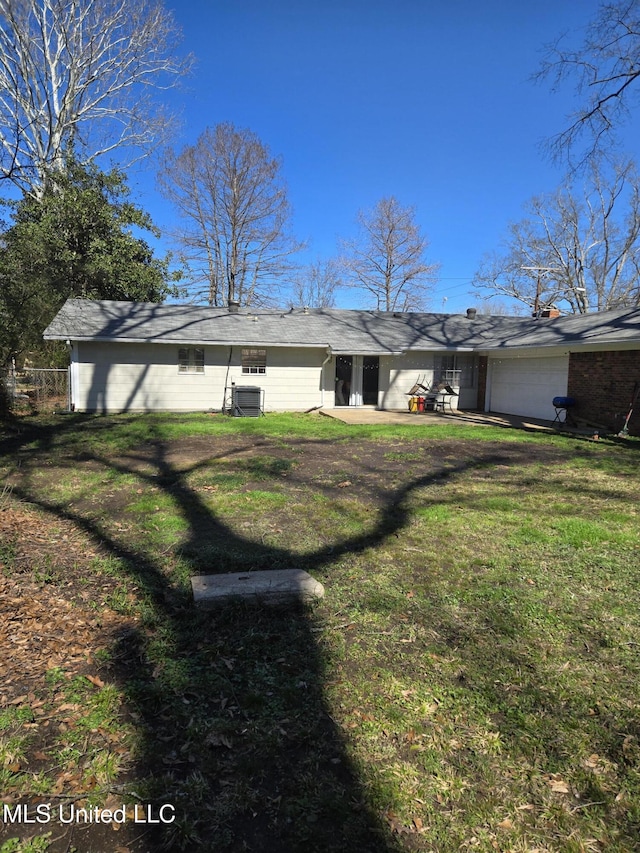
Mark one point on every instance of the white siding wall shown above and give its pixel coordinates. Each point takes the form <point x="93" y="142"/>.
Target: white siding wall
<point x="122" y="377"/>
<point x="399" y="373"/>
<point x="292" y="379"/>
<point x="468" y="398"/>
<point x="114" y="377"/>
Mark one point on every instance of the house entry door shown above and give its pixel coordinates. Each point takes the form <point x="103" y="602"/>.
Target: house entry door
<point x="370" y="375"/>
<point x="344" y="372"/>
<point x="357" y="380"/>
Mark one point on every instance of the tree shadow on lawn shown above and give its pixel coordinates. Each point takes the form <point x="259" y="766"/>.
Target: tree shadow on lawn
<point x="235" y="731"/>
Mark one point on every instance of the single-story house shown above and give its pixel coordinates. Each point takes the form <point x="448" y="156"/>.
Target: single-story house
<point x="128" y="356"/>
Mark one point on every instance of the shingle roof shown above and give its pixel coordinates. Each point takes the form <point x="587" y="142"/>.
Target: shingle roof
<point x="602" y="327"/>
<point x="346" y="331"/>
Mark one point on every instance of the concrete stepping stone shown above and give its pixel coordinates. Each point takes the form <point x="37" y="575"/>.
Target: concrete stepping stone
<point x="279" y="586"/>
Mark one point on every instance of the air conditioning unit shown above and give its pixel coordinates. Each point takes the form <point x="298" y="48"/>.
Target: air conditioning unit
<point x="246" y="401"/>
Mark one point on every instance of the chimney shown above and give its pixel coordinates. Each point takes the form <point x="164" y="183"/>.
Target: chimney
<point x="551" y="313"/>
<point x="234" y="306"/>
<point x="471" y="313"/>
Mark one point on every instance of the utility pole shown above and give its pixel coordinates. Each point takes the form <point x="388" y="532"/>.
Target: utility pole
<point x="539" y="270"/>
<point x="536" y="304"/>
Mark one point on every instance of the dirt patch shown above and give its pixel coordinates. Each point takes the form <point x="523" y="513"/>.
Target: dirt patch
<point x="54" y="625"/>
<point x="371" y="472"/>
<point x="56" y="616"/>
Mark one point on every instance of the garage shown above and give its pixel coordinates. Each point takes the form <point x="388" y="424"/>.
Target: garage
<point x="526" y="386"/>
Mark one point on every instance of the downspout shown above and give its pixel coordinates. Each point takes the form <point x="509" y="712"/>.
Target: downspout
<point x="487" y="390"/>
<point x="328" y="358"/>
<point x="72" y="371"/>
<point x="226" y="379"/>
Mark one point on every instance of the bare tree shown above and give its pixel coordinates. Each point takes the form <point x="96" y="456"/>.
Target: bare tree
<point x="579" y="250"/>
<point x="315" y="285"/>
<point x="605" y="69"/>
<point x="81" y="75"/>
<point x="387" y="258"/>
<point x="495" y="307"/>
<point x="233" y="202"/>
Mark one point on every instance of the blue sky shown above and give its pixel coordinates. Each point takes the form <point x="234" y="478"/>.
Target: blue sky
<point x="429" y="101"/>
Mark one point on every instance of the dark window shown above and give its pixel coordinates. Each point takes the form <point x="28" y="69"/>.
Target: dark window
<point x="190" y="360"/>
<point x="254" y="361"/>
<point x="455" y="370"/>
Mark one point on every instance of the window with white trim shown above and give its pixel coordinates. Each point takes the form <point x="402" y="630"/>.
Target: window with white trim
<point x="456" y="370"/>
<point x="254" y="361"/>
<point x="190" y="360"/>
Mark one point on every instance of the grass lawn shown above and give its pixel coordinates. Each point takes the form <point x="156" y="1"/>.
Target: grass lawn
<point x="471" y="680"/>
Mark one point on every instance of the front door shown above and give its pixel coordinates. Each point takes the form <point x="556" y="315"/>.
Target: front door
<point x="370" y="373"/>
<point x="357" y="380"/>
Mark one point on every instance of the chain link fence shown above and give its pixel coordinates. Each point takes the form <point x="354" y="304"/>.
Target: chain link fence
<point x="39" y="389"/>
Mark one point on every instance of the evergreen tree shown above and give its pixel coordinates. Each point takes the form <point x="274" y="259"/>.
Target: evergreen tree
<point x="76" y="240"/>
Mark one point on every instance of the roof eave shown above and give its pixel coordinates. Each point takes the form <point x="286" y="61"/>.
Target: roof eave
<point x="179" y="341"/>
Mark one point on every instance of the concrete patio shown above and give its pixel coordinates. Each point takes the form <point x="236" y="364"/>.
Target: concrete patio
<point x="364" y="415"/>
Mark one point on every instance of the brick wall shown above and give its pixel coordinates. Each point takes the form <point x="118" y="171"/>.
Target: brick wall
<point x="602" y="384"/>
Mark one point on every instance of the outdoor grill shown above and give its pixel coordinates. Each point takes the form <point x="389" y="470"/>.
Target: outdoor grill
<point x="563" y="404"/>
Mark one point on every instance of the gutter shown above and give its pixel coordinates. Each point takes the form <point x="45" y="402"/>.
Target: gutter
<point x="191" y="342"/>
<point x="369" y="352"/>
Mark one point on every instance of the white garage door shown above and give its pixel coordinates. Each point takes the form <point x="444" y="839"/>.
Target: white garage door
<point x="526" y="386"/>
